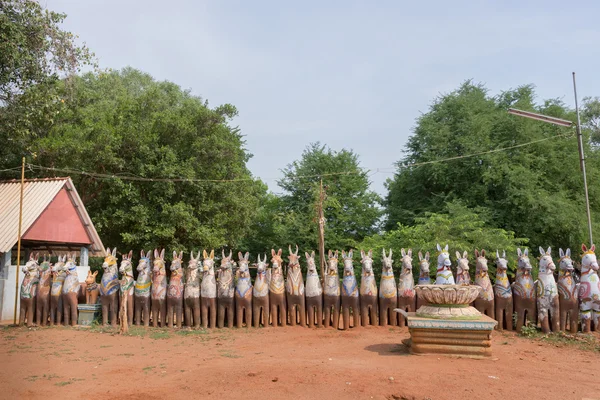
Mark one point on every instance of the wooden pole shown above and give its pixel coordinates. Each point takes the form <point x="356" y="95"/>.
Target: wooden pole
<point x="19" y="240"/>
<point x="321" y="232"/>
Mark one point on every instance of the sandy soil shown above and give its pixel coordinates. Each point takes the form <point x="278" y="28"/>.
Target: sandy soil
<point x="279" y="363"/>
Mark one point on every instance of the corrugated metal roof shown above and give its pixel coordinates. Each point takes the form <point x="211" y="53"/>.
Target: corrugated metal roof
<point x="37" y="195"/>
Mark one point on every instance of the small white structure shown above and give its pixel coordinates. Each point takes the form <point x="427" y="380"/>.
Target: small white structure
<point x="54" y="221"/>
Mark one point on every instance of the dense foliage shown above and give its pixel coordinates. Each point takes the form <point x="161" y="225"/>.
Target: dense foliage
<point x="535" y="191"/>
<point x="127" y="123"/>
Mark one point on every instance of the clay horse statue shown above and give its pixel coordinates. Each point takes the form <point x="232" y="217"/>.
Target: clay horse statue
<point x="462" y="269"/>
<point x="127" y="283"/>
<point x="141" y="290"/>
<point x="349" y="295"/>
<point x="547" y="293"/>
<point x="568" y="293"/>
<point x="589" y="290"/>
<point x="109" y="288"/>
<point x="243" y="292"/>
<point x="424" y="278"/>
<point x="175" y="292"/>
<point x="29" y="288"/>
<point x="70" y="290"/>
<point x="388" y="295"/>
<point x="260" y="293"/>
<point x="208" y="290"/>
<point x="407" y="299"/>
<point x="524" y="291"/>
<point x="294" y="287"/>
<point x="159" y="289"/>
<point x="314" y="292"/>
<point x="42" y="306"/>
<point x="485" y="302"/>
<point x="368" y="290"/>
<point x="503" y="294"/>
<point x="331" y="292"/>
<point x="56" y="300"/>
<point x="191" y="292"/>
<point x="444" y="273"/>
<point x="277" y="290"/>
<point x="225" y="291"/>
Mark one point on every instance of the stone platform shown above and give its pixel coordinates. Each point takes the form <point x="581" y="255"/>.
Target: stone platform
<point x="468" y="338"/>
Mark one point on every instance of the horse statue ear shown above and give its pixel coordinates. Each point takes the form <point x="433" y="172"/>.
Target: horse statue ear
<point x="583" y="247"/>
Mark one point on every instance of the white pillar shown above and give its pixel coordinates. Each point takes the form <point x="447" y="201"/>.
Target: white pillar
<point x="4" y="264"/>
<point x="83" y="257"/>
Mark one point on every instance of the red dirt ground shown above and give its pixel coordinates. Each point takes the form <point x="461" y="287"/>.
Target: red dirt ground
<point x="282" y="363"/>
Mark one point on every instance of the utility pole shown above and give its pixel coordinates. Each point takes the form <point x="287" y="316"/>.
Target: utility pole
<point x="582" y="162"/>
<point x="19" y="241"/>
<point x="321" y="221"/>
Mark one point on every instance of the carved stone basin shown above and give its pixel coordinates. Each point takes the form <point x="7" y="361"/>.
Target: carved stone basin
<point x="448" y="301"/>
<point x="448" y="294"/>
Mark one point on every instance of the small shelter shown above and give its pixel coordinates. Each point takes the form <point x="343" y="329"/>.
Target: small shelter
<point x="54" y="221"/>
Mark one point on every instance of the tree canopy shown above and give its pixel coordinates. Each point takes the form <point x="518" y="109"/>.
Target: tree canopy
<point x="126" y="123"/>
<point x="535" y="191"/>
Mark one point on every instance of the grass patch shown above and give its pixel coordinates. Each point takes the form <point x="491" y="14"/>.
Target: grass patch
<point x="105" y="346"/>
<point x="160" y="335"/>
<point x="63" y="383"/>
<point x="228" y="354"/>
<point x="126" y="354"/>
<point x="192" y="332"/>
<point x="138" y="331"/>
<point x="148" y="369"/>
<point x="32" y="378"/>
<point x="582" y="341"/>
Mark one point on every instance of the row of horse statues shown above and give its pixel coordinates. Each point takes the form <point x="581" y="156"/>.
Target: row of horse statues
<point x="195" y="296"/>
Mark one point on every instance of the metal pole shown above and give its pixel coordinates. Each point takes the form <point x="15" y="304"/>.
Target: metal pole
<point x="582" y="162"/>
<point x="321" y="217"/>
<point x="19" y="240"/>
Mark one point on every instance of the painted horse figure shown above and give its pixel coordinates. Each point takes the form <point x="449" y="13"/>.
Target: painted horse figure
<point x="444" y="273"/>
<point x="547" y="293"/>
<point x="568" y="293"/>
<point x="260" y="293"/>
<point x="191" y="292"/>
<point x="350" y="299"/>
<point x="388" y="294"/>
<point x="127" y="282"/>
<point x="225" y="291"/>
<point x="70" y="291"/>
<point x="424" y="278"/>
<point x="294" y="287"/>
<point x="485" y="302"/>
<point x="42" y="306"/>
<point x="331" y="292"/>
<point x="142" y="289"/>
<point x="56" y="300"/>
<point x="243" y="292"/>
<point x="159" y="289"/>
<point x="407" y="299"/>
<point x="524" y="291"/>
<point x="462" y="269"/>
<point x="109" y="288"/>
<point x="314" y="292"/>
<point x="92" y="290"/>
<point x="29" y="288"/>
<point x="589" y="290"/>
<point x="208" y="290"/>
<point x="368" y="290"/>
<point x="503" y="299"/>
<point x="175" y="292"/>
<point x="277" y="290"/>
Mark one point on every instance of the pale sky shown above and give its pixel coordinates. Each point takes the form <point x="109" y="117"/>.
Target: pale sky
<point x="349" y="74"/>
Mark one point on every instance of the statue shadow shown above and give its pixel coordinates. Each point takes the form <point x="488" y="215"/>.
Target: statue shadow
<point x="389" y="349"/>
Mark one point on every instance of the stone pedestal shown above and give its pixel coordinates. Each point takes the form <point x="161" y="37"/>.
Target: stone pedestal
<point x="468" y="338"/>
<point x="88" y="313"/>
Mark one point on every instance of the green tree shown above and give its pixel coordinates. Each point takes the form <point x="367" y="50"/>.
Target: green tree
<point x="34" y="53"/>
<point x="126" y="123"/>
<point x="460" y="227"/>
<point x="535" y="191"/>
<point x="351" y="209"/>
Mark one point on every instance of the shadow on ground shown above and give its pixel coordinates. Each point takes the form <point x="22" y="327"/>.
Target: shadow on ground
<point x="387" y="349"/>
